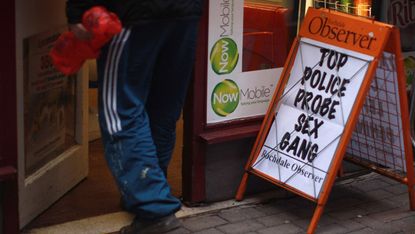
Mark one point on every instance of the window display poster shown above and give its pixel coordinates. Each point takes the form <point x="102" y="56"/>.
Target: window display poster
<point x="314" y="110"/>
<point x="232" y="93"/>
<point x="48" y="95"/>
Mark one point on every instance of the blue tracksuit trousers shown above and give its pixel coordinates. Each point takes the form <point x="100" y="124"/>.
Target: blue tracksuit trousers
<point x="143" y="76"/>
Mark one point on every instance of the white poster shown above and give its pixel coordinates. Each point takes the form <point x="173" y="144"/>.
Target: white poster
<point x="48" y="99"/>
<point x="312" y="113"/>
<point x="231" y="92"/>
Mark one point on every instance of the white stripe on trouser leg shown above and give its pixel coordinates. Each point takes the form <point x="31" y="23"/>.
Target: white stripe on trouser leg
<point x="105" y="81"/>
<point x="109" y="86"/>
<point x="117" y="123"/>
<point x="109" y="90"/>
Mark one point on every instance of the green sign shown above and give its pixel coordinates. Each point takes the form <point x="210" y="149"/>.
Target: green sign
<point x="225" y="98"/>
<point x="224" y="56"/>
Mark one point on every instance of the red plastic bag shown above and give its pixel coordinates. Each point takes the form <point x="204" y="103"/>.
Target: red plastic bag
<point x="69" y="52"/>
<point x="102" y="24"/>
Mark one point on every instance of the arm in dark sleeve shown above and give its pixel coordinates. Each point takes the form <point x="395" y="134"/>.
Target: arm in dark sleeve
<point x="76" y="8"/>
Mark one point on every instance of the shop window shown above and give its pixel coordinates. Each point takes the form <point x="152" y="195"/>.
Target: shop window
<point x="266" y="34"/>
<point x="248" y="43"/>
<point x="355" y="7"/>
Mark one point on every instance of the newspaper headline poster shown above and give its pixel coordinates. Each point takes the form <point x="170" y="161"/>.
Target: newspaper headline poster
<point x="314" y="109"/>
<point x="324" y="86"/>
<point x="49" y="101"/>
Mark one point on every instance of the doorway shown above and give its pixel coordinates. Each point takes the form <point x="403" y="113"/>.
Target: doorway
<point x="97" y="194"/>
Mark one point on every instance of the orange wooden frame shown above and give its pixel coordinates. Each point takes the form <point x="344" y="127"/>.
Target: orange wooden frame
<point x="389" y="40"/>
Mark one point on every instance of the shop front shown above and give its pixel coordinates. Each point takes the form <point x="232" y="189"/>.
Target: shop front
<point x="242" y="49"/>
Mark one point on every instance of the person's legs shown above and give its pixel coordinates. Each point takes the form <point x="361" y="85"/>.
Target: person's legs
<point x="174" y="67"/>
<point x="125" y="73"/>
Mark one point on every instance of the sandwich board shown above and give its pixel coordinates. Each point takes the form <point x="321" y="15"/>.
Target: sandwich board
<point x="341" y="95"/>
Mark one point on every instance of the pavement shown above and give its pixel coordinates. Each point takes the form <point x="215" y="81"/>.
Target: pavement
<point x="370" y="203"/>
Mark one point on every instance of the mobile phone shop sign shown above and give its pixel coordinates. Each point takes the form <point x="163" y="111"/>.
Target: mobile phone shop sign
<point x="232" y="93"/>
<point x="313" y="111"/>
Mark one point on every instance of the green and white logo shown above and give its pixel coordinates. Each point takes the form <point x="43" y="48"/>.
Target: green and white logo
<point x="225" y="98"/>
<point x="224" y="56"/>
